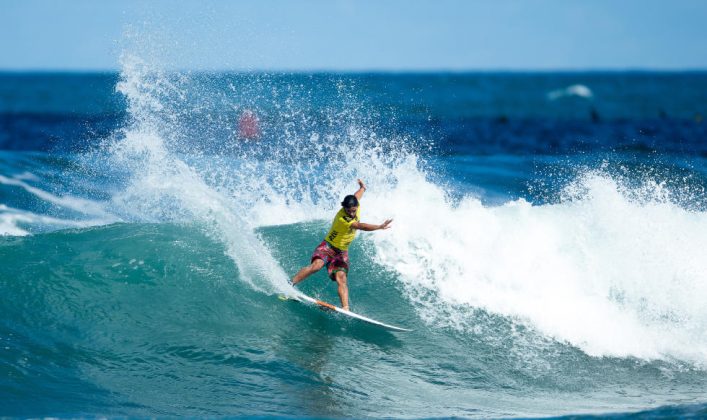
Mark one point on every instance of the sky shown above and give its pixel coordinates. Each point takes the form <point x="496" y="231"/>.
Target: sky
<point x="364" y="35"/>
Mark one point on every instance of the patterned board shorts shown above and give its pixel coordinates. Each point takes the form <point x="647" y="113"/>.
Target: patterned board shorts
<point x="335" y="259"/>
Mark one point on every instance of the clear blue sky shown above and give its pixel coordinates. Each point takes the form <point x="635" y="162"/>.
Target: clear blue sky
<point x="356" y="35"/>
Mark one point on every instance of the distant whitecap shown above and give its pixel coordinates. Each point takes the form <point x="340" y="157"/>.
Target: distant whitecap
<point x="581" y="91"/>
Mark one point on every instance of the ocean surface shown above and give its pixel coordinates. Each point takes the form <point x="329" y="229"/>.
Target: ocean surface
<point x="548" y="246"/>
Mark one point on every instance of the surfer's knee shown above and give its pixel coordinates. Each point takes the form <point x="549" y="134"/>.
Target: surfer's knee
<point x="340" y="277"/>
<point x="316" y="265"/>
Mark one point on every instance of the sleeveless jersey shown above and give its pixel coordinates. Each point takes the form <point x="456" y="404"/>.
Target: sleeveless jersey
<point x="341" y="233"/>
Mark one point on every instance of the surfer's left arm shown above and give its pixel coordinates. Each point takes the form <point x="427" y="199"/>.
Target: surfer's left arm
<point x="361" y="189"/>
<point x="369" y="227"/>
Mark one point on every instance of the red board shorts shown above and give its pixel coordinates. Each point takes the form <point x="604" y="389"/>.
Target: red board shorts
<point x="335" y="259"/>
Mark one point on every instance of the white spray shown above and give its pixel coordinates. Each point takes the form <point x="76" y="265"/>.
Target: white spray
<point x="608" y="274"/>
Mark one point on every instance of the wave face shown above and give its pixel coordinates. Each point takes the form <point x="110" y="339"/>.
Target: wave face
<point x="141" y="273"/>
<point x="137" y="319"/>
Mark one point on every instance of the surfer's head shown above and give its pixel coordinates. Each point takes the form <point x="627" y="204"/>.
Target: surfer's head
<point x="350" y="205"/>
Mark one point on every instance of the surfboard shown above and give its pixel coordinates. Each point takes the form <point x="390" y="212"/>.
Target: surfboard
<point x="301" y="297"/>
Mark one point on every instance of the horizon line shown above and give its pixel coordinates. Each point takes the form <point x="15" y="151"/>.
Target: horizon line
<point x="372" y="70"/>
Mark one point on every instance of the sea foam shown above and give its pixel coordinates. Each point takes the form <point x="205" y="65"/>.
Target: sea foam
<point x="602" y="271"/>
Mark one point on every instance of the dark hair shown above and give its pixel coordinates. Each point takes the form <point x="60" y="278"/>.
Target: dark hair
<point x="350" y="201"/>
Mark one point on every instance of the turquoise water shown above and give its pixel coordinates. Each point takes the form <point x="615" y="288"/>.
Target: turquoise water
<point x="145" y="319"/>
<point x="547" y="247"/>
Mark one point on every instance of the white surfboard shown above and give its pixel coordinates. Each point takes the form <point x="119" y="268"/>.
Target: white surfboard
<point x="324" y="305"/>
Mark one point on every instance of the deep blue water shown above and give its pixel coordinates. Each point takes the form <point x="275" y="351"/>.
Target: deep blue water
<point x="547" y="245"/>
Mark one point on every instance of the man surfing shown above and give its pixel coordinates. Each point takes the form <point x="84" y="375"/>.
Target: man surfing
<point x="333" y="251"/>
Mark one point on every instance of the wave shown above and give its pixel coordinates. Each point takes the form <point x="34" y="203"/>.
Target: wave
<point x="612" y="269"/>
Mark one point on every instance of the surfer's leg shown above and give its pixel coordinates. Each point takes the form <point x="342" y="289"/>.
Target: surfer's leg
<point x="307" y="271"/>
<point x="320" y="257"/>
<point x="340" y="278"/>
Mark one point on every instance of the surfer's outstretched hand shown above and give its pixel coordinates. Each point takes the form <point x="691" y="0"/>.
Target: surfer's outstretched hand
<point x="361" y="184"/>
<point x="386" y="224"/>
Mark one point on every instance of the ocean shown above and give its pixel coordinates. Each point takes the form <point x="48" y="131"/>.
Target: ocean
<point x="547" y="246"/>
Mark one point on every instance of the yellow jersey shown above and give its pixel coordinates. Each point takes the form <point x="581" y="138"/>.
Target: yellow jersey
<point x="341" y="233"/>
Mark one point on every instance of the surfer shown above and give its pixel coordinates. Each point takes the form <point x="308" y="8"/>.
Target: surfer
<point x="333" y="251"/>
